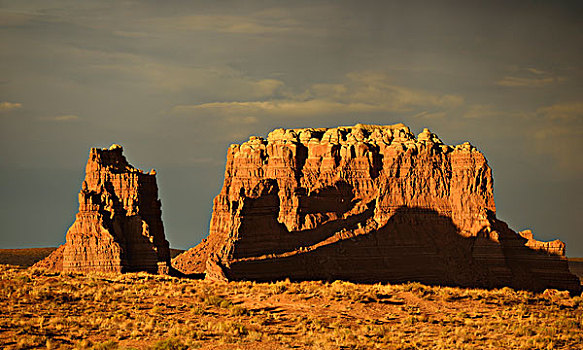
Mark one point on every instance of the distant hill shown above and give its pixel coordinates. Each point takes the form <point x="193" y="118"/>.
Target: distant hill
<point x="24" y="257"/>
<point x="27" y="257"/>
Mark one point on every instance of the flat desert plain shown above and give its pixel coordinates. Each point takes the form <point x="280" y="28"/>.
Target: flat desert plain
<point x="42" y="310"/>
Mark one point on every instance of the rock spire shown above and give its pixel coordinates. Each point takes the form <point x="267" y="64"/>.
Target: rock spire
<point x="118" y="227"/>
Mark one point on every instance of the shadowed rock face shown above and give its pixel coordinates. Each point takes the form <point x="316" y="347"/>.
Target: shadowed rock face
<point x="118" y="227"/>
<point x="367" y="203"/>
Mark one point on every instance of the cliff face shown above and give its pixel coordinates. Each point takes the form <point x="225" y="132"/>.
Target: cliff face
<point x="367" y="203"/>
<point x="118" y="227"/>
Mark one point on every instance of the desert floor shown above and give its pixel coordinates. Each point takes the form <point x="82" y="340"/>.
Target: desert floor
<point x="51" y="310"/>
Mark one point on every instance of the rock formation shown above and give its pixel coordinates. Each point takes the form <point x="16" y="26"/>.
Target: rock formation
<point x="367" y="203"/>
<point x="119" y="226"/>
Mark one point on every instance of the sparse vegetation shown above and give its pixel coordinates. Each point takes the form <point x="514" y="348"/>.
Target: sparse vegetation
<point x="141" y="311"/>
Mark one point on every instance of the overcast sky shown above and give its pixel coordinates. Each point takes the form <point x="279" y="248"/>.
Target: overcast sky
<point x="176" y="82"/>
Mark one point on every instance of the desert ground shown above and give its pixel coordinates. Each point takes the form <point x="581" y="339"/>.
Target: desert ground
<point x="141" y="311"/>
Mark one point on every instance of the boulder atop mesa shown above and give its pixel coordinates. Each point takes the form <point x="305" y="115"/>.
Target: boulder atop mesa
<point x="367" y="203"/>
<point x="118" y="227"/>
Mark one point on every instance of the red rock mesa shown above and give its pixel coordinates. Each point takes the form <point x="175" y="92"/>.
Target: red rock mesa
<point x="367" y="203"/>
<point x="118" y="227"/>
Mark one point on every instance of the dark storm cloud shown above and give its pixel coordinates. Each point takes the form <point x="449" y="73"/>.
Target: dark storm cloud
<point x="176" y="82"/>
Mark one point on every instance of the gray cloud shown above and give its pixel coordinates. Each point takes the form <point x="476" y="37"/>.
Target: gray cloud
<point x="9" y="106"/>
<point x="362" y="92"/>
<point x="177" y="82"/>
<point x="565" y="111"/>
<point x="559" y="134"/>
<point x="63" y="118"/>
<point x="527" y="82"/>
<point x="227" y="24"/>
<point x="14" y="19"/>
<point x="529" y="77"/>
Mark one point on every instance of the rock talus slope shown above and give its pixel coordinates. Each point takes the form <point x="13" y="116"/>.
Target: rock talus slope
<point x="367" y="203"/>
<point x="118" y="227"/>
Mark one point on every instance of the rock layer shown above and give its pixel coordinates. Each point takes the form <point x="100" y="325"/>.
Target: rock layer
<point x="367" y="203"/>
<point x="119" y="226"/>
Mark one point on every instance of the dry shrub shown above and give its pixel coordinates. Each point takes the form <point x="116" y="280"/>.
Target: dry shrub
<point x="169" y="344"/>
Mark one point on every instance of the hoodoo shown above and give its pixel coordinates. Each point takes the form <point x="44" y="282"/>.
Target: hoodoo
<point x="119" y="226"/>
<point x="367" y="203"/>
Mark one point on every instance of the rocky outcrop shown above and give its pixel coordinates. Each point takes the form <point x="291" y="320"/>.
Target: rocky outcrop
<point x="119" y="226"/>
<point x="555" y="247"/>
<point x="367" y="203"/>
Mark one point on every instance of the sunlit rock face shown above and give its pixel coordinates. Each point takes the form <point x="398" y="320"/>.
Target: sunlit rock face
<point x="118" y="227"/>
<point x="367" y="203"/>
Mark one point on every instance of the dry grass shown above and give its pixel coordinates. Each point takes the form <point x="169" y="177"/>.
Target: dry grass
<point x="140" y="311"/>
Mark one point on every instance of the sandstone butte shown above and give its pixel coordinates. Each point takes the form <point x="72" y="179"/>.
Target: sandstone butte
<point x="367" y="203"/>
<point x="119" y="226"/>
